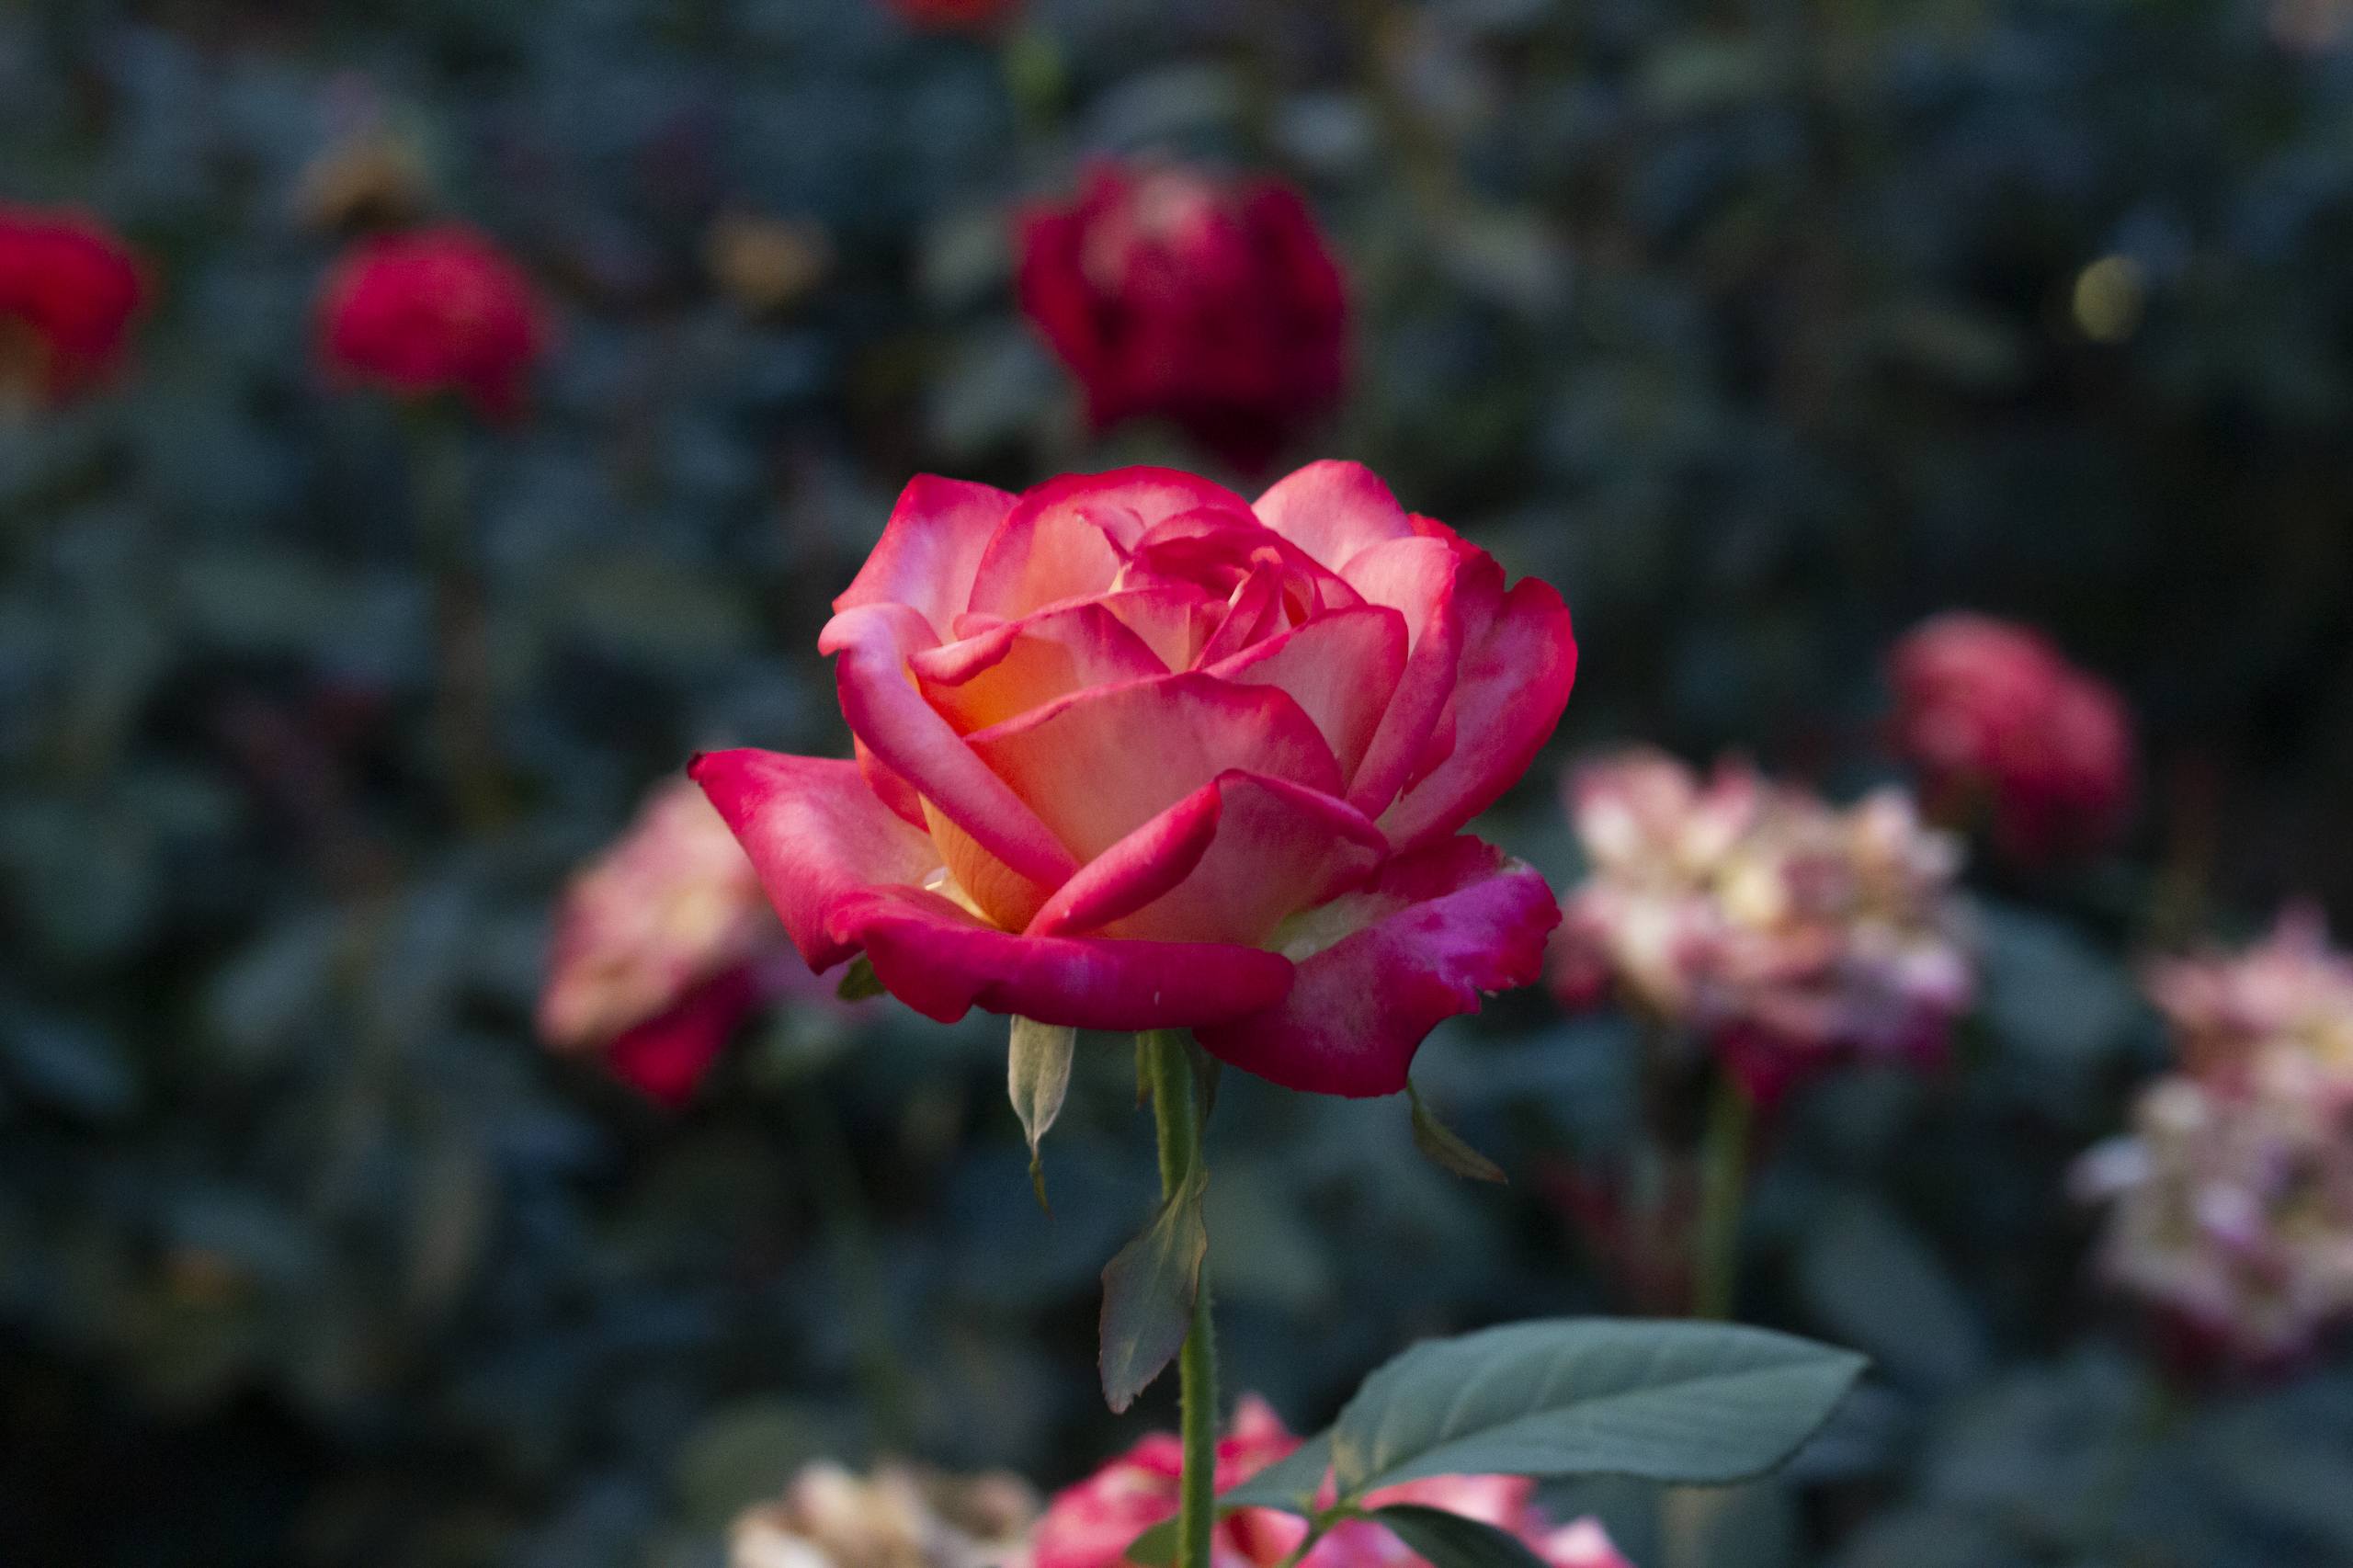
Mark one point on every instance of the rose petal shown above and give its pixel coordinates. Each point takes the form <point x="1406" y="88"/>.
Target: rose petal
<point x="1067" y="538"/>
<point x="943" y="962"/>
<point x="1099" y="764"/>
<point x="1332" y="510"/>
<point x="817" y="837"/>
<point x="1379" y="969"/>
<point x="1425" y="581"/>
<point x="1509" y="690"/>
<point x="1026" y="663"/>
<point x="1342" y="667"/>
<point x="886" y="712"/>
<point x="889" y="787"/>
<point x="930" y="548"/>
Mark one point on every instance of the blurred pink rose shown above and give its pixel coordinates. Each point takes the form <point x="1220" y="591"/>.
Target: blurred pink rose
<point x="1214" y="304"/>
<point x="664" y="944"/>
<point x="1783" y="932"/>
<point x="1995" y="718"/>
<point x="1091" y="1523"/>
<point x="431" y="312"/>
<point x="1134" y="753"/>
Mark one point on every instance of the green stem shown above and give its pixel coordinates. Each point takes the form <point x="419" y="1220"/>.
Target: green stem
<point x="848" y="1232"/>
<point x="1176" y="1115"/>
<point x="463" y="718"/>
<point x="1723" y="1172"/>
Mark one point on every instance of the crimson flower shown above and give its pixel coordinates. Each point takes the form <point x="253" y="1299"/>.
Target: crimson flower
<point x="432" y="312"/>
<point x="1213" y="304"/>
<point x="69" y="292"/>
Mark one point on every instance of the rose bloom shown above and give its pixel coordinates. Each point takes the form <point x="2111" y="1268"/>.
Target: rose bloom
<point x="1784" y="932"/>
<point x="433" y="311"/>
<point x="1092" y="1524"/>
<point x="899" y="1516"/>
<point x="1215" y="305"/>
<point x="69" y="293"/>
<point x="664" y="944"/>
<point x="1135" y="753"/>
<point x="1995" y="719"/>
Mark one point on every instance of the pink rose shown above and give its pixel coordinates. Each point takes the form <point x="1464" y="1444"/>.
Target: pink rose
<point x="1993" y="716"/>
<point x="1091" y="1523"/>
<point x="434" y="312"/>
<point x="1134" y="754"/>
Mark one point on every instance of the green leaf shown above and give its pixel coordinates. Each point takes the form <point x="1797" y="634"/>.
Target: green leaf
<point x="1148" y="1291"/>
<point x="1451" y="1540"/>
<point x="1443" y="1147"/>
<point x="1682" y="1402"/>
<point x="859" y="982"/>
<point x="1289" y="1484"/>
<point x="1038" y="1076"/>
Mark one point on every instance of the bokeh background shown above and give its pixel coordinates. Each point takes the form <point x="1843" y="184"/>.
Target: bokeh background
<point x="1761" y="330"/>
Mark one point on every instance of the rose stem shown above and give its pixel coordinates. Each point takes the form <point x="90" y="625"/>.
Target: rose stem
<point x="1176" y="1114"/>
<point x="462" y="717"/>
<point x="1723" y="1171"/>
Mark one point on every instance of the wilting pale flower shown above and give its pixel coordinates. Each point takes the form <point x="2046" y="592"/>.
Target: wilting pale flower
<point x="1091" y="1523"/>
<point x="663" y="945"/>
<point x="2292" y="989"/>
<point x="2231" y="1197"/>
<point x="899" y="1516"/>
<point x="1133" y="753"/>
<point x="1784" y="932"/>
<point x="1997" y="721"/>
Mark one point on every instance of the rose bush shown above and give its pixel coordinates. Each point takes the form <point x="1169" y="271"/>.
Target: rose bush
<point x="1213" y="304"/>
<point x="433" y="311"/>
<point x="1133" y="753"/>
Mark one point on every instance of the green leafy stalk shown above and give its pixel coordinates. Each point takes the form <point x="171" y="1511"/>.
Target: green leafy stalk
<point x="1723" y="1175"/>
<point x="1178" y="1115"/>
<point x="463" y="712"/>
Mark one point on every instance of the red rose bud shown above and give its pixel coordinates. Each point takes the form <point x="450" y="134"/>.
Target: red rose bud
<point x="1783" y="933"/>
<point x="1133" y="753"/>
<point x="1995" y="719"/>
<point x="69" y="293"/>
<point x="1215" y="305"/>
<point x="433" y="311"/>
<point x="1091" y="1525"/>
<point x="664" y="944"/>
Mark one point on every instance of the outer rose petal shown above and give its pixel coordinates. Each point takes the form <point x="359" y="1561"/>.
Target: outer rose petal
<point x="1332" y="510"/>
<point x="1225" y="864"/>
<point x="1380" y="969"/>
<point x="943" y="963"/>
<point x="1422" y="580"/>
<point x="666" y="1058"/>
<point x="1099" y="764"/>
<point x="1508" y="695"/>
<point x="892" y="718"/>
<point x="817" y="837"/>
<point x="931" y="549"/>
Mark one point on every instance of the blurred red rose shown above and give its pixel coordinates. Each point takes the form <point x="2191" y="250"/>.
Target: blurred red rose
<point x="1997" y="720"/>
<point x="950" y="15"/>
<point x="1214" y="304"/>
<point x="1134" y="753"/>
<point x="433" y="311"/>
<point x="1091" y="1523"/>
<point x="69" y="292"/>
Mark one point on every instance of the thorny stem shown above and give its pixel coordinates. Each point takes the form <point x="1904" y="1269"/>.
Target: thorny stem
<point x="1723" y="1172"/>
